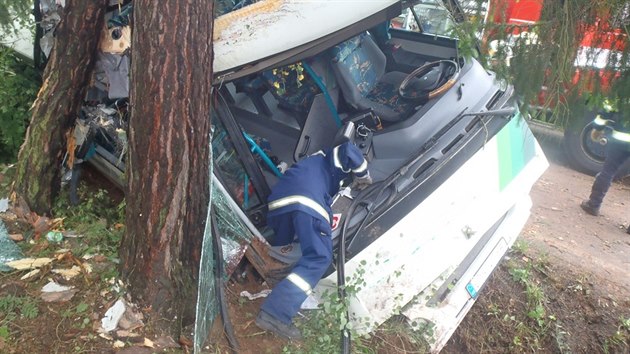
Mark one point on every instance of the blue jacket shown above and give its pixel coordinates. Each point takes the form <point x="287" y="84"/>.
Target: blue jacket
<point x="310" y="184"/>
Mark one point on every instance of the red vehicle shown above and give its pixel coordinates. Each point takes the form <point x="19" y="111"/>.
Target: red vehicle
<point x="599" y="42"/>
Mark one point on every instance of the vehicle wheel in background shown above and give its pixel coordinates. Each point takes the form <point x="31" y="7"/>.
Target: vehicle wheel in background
<point x="585" y="154"/>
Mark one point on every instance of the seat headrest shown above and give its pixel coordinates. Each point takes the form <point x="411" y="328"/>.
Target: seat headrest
<point x="342" y="50"/>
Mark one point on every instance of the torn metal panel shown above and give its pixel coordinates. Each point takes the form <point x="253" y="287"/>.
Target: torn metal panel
<point x="50" y="19"/>
<point x="111" y="75"/>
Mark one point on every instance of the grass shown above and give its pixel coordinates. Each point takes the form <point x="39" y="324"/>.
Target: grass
<point x="15" y="307"/>
<point x="322" y="329"/>
<point x="533" y="326"/>
<point x="620" y="340"/>
<point x="98" y="219"/>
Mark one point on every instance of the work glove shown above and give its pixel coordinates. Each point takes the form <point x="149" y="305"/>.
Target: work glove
<point x="362" y="182"/>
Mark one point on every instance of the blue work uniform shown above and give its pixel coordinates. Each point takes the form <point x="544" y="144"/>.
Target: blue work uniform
<point x="617" y="153"/>
<point x="300" y="204"/>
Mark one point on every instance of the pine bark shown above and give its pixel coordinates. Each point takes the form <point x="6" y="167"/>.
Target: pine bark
<point x="38" y="173"/>
<point x="167" y="171"/>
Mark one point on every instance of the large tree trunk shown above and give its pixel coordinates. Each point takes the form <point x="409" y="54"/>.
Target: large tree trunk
<point x="38" y="176"/>
<point x="167" y="171"/>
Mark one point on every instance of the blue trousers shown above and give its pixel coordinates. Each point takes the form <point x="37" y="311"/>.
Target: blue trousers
<point x="616" y="155"/>
<point x="315" y="240"/>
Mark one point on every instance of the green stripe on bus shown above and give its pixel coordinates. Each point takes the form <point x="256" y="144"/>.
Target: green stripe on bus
<point x="515" y="150"/>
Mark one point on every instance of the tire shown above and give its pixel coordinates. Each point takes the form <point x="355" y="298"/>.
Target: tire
<point x="584" y="154"/>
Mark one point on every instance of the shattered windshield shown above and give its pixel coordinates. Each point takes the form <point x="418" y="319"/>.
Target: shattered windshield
<point x="428" y="16"/>
<point x="235" y="236"/>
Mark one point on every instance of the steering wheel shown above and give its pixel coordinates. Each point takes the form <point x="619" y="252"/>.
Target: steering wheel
<point x="437" y="78"/>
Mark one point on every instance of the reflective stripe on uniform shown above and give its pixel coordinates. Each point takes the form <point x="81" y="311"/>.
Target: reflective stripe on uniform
<point x="600" y="121"/>
<point x="337" y="161"/>
<point x="299" y="199"/>
<point x="361" y="168"/>
<point x="300" y="283"/>
<point x="621" y="136"/>
<point x="320" y="152"/>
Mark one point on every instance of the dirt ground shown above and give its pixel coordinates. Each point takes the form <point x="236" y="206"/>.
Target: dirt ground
<point x="559" y="228"/>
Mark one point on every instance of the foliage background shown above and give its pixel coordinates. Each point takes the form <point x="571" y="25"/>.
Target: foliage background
<point x="547" y="56"/>
<point x="19" y="83"/>
<point x="12" y="11"/>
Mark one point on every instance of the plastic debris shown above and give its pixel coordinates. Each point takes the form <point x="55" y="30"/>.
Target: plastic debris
<point x="126" y="334"/>
<point x="29" y="263"/>
<point x="258" y="295"/>
<point x="105" y="336"/>
<point x="59" y="296"/>
<point x="9" y="251"/>
<point x="71" y="234"/>
<point x="110" y="321"/>
<point x="310" y="303"/>
<point x="52" y="287"/>
<point x="54" y="292"/>
<point x="54" y="236"/>
<point x="4" y="205"/>
<point x="148" y="343"/>
<point x="68" y="273"/>
<point x="30" y="274"/>
<point x="16" y="237"/>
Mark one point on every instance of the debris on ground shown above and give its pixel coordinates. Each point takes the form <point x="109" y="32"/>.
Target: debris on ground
<point x="30" y="274"/>
<point x="113" y="316"/>
<point x="54" y="236"/>
<point x="16" y="237"/>
<point x="255" y="296"/>
<point x="52" y="287"/>
<point x="68" y="274"/>
<point x="4" y="205"/>
<point x="54" y="292"/>
<point x="29" y="263"/>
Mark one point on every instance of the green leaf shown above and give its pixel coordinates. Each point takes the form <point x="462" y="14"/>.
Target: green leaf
<point x="4" y="332"/>
<point x="81" y="307"/>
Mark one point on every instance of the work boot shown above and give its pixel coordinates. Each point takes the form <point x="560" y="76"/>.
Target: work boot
<point x="269" y="323"/>
<point x="589" y="208"/>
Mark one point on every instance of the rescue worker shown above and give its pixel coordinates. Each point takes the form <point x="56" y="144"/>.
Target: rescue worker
<point x="617" y="152"/>
<point x="300" y="205"/>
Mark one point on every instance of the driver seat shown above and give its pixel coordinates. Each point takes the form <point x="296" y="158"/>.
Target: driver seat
<point x="359" y="66"/>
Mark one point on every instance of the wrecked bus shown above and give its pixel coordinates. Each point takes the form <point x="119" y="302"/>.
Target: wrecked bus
<point x="452" y="158"/>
